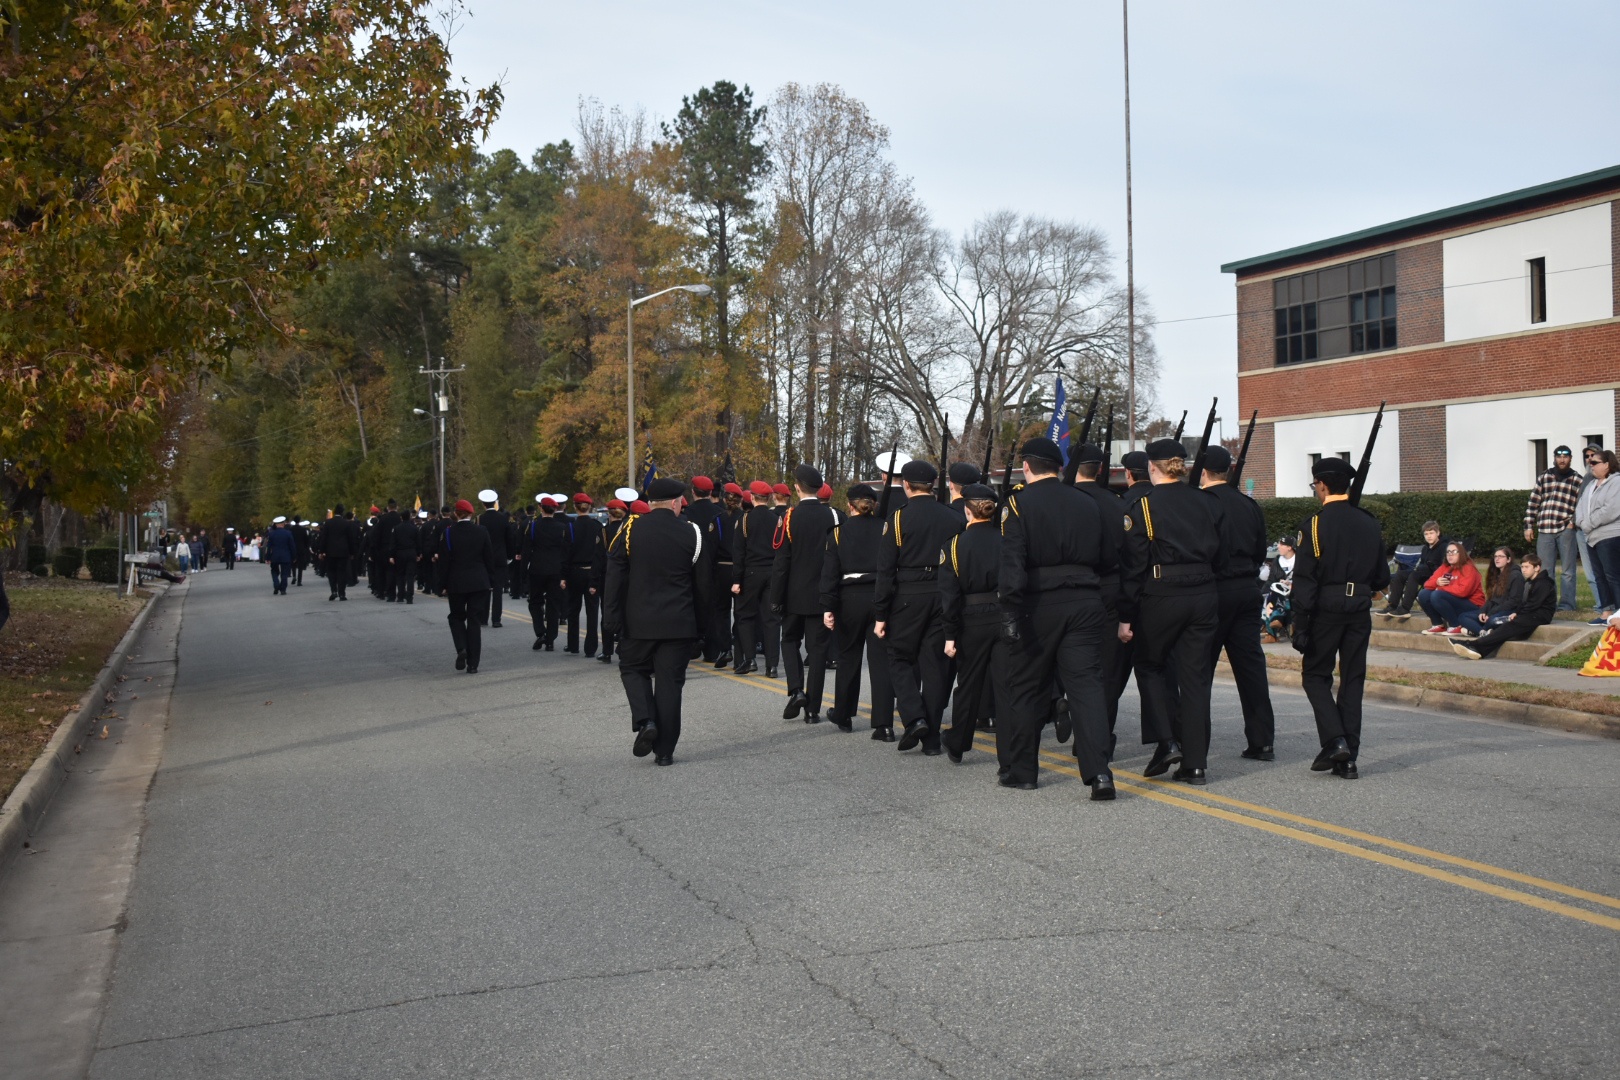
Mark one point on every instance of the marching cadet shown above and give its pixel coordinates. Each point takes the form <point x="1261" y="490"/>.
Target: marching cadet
<point x="402" y="562"/>
<point x="517" y="576"/>
<point x="906" y="601"/>
<point x="701" y="511"/>
<point x="1244" y="536"/>
<point x="1167" y="600"/>
<point x="544" y="553"/>
<point x="466" y="565"/>
<point x="229" y="547"/>
<point x="801" y="547"/>
<point x="618" y="514"/>
<point x="971" y="613"/>
<point x="1340" y="564"/>
<point x="426" y="535"/>
<point x="957" y="477"/>
<point x="381" y="547"/>
<point x="586" y="563"/>
<point x="1055" y="553"/>
<point x="498" y="523"/>
<point x="753" y="557"/>
<point x="300" y="531"/>
<point x="1116" y="655"/>
<point x="848" y="578"/>
<point x="338" y="542"/>
<point x="653" y="592"/>
<point x="721" y="528"/>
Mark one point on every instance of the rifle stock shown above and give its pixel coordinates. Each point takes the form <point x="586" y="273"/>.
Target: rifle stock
<point x="1180" y="426"/>
<point x="1196" y="476"/>
<point x="1243" y="454"/>
<point x="1366" y="457"/>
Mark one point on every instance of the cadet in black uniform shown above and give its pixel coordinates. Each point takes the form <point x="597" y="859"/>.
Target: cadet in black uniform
<point x="1054" y="554"/>
<point x="701" y="511"/>
<point x="466" y="562"/>
<point x="721" y="528"/>
<point x="1116" y="655"/>
<point x="544" y="552"/>
<point x="957" y="477"/>
<point x="971" y="613"/>
<point x="402" y="562"/>
<point x="498" y="523"/>
<point x="906" y="602"/>
<point x="848" y="580"/>
<point x="1243" y="532"/>
<point x="300" y="531"/>
<point x="1340" y="564"/>
<point x="654" y="590"/>
<point x="618" y="514"/>
<point x="1168" y="605"/>
<point x="337" y="542"/>
<point x="801" y="547"/>
<point x="228" y="547"/>
<point x="586" y="560"/>
<point x="753" y="556"/>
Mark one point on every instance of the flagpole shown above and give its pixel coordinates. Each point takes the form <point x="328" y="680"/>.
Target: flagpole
<point x="1130" y="246"/>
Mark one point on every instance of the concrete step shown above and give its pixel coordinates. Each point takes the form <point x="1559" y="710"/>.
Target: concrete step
<point x="1555" y="633"/>
<point x="1436" y="643"/>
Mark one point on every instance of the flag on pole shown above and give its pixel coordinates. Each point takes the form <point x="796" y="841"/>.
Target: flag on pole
<point x="648" y="467"/>
<point x="1058" y="429"/>
<point x="418" y="502"/>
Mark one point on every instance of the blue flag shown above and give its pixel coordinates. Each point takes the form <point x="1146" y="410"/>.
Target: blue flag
<point x="1058" y="429"/>
<point x="649" y="467"/>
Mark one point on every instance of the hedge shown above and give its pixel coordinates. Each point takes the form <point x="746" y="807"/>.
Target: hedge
<point x="37" y="556"/>
<point x="67" y="561"/>
<point x="103" y="563"/>
<point x="1486" y="518"/>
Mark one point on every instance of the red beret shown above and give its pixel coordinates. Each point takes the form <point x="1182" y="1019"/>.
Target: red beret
<point x="825" y="492"/>
<point x="548" y="503"/>
<point x="463" y="506"/>
<point x="616" y="504"/>
<point x="639" y="507"/>
<point x="759" y="487"/>
<point x="580" y="496"/>
<point x="782" y="489"/>
<point x="374" y="510"/>
<point x="734" y="489"/>
<point x="702" y="483"/>
<point x="748" y="500"/>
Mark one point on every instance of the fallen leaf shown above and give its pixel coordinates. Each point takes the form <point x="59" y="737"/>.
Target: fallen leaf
<point x="103" y="731"/>
<point x="267" y="703"/>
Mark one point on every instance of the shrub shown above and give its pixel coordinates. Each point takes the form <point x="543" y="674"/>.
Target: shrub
<point x="1487" y="519"/>
<point x="65" y="565"/>
<point x="103" y="564"/>
<point x="40" y="571"/>
<point x="37" y="556"/>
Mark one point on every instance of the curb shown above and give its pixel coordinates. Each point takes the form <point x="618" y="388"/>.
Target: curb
<point x="28" y="801"/>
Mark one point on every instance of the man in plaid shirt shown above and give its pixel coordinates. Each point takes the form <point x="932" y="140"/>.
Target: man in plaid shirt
<point x="1549" y="520"/>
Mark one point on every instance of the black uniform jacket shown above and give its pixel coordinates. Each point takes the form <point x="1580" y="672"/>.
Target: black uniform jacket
<point x="851" y="557"/>
<point x="466" y="558"/>
<point x="1172" y="544"/>
<point x="1052" y="539"/>
<point x="387" y="525"/>
<point x="1112" y="508"/>
<point x="1340" y="561"/>
<point x="498" y="523"/>
<point x="653" y="582"/>
<point x="339" y="538"/>
<point x="752" y="545"/>
<point x="586" y="548"/>
<point x="967" y="577"/>
<point x="701" y="511"/>
<point x="1243" y="534"/>
<point x="801" y="547"/>
<point x="300" y="537"/>
<point x="544" y="546"/>
<point x="403" y="549"/>
<point x="914" y="540"/>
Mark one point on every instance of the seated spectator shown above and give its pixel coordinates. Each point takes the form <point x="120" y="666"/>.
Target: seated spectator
<point x="1276" y="582"/>
<point x="1504" y="592"/>
<point x="1536" y="609"/>
<point x="1405" y="584"/>
<point x="1453" y="592"/>
<point x="1597" y="515"/>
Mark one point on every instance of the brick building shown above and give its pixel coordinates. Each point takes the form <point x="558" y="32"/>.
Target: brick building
<point x="1490" y="328"/>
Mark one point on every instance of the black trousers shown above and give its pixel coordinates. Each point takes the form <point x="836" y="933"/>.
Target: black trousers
<point x="915" y="639"/>
<point x="981" y="667"/>
<point x="298" y="572"/>
<point x="753" y="633"/>
<point x="653" y="672"/>
<point x="717" y="630"/>
<point x="853" y="636"/>
<point x="815" y="635"/>
<point x="230" y="560"/>
<point x="579" y="595"/>
<point x="402" y="578"/>
<point x="1337" y="639"/>
<point x="1238" y="632"/>
<point x="1491" y="640"/>
<point x="337" y="574"/>
<point x="1175" y="666"/>
<point x="278" y="576"/>
<point x="1403" y="588"/>
<point x="1062" y="639"/>
<point x="546" y="600"/>
<point x="519" y="578"/>
<point x="464" y="628"/>
<point x="491" y="611"/>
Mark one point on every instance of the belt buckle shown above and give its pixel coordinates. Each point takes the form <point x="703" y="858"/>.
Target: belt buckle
<point x="1349" y="588"/>
<point x="1156" y="569"/>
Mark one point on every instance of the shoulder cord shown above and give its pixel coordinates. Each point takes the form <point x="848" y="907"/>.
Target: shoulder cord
<point x="698" y="549"/>
<point x="1316" y="539"/>
<point x="897" y="541"/>
<point x="1147" y="516"/>
<point x="783" y="528"/>
<point x="1012" y="504"/>
<point x="629" y="523"/>
<point x="955" y="568"/>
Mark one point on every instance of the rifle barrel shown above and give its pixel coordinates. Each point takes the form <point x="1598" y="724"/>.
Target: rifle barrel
<point x="1243" y="454"/>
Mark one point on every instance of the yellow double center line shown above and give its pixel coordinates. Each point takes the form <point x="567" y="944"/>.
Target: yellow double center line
<point x="1307" y="830"/>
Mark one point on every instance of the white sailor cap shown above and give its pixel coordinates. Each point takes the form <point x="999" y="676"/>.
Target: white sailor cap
<point x="421" y="513"/>
<point x="278" y="519"/>
<point x="488" y="496"/>
<point x="899" y="463"/>
<point x="230" y="528"/>
<point x="627" y="494"/>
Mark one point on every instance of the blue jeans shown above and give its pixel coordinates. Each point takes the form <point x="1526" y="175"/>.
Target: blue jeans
<point x="278" y="576"/>
<point x="1606" y="561"/>
<point x="1603" y="596"/>
<point x="1446" y="608"/>
<point x="1553" y="548"/>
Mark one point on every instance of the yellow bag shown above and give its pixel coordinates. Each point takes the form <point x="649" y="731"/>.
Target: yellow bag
<point x="1606" y="657"/>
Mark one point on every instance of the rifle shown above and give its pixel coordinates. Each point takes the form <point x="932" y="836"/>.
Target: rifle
<point x="1196" y="476"/>
<point x="1366" y="458"/>
<point x="1243" y="454"/>
<point x="989" y="444"/>
<point x="888" y="483"/>
<point x="1006" y="477"/>
<point x="1071" y="470"/>
<point x="943" y="489"/>
<point x="1103" y="474"/>
<point x="1177" y="436"/>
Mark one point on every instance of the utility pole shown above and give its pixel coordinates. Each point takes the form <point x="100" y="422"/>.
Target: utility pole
<point x="439" y="390"/>
<point x="1130" y="246"/>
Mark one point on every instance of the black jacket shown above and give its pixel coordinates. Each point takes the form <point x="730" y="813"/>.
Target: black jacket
<point x="654" y="587"/>
<point x="1540" y="601"/>
<point x="968" y="576"/>
<point x="914" y="540"/>
<point x="387" y="527"/>
<point x="1340" y="561"/>
<point x="1112" y="509"/>
<point x="339" y="538"/>
<point x="586" y="549"/>
<point x="851" y="558"/>
<point x="544" y="546"/>
<point x="502" y="533"/>
<point x="1172" y="545"/>
<point x="1512" y="598"/>
<point x="466" y="561"/>
<point x="1052" y="539"/>
<point x="402" y="549"/>
<point x="752" y="545"/>
<point x="801" y="548"/>
<point x="1243" y="534"/>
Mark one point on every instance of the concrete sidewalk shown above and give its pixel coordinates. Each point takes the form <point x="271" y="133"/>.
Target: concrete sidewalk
<point x="1519" y="671"/>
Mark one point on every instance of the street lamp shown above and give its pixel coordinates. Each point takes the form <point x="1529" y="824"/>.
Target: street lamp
<point x="630" y="369"/>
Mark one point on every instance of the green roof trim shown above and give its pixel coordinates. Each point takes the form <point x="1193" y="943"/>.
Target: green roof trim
<point x="1595" y="180"/>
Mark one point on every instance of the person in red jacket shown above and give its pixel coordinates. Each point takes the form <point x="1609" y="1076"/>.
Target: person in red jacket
<point x="1453" y="594"/>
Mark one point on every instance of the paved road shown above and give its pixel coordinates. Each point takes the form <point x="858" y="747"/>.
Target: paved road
<point x="358" y="863"/>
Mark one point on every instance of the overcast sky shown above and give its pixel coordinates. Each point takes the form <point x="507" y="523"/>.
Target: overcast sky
<point x="1255" y="126"/>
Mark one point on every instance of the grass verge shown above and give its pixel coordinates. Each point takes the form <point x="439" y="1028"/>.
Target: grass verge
<point x="51" y="651"/>
<point x="1523" y="693"/>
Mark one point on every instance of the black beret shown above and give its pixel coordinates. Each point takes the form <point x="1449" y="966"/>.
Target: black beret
<point x="964" y="472"/>
<point x="1165" y="449"/>
<point x="861" y="491"/>
<point x="1043" y="449"/>
<point x="1136" y="459"/>
<point x="978" y="491"/>
<point x="1333" y="467"/>
<point x="917" y="471"/>
<point x="1089" y="452"/>
<point x="1217" y="459"/>
<point x="663" y="488"/>
<point x="807" y="476"/>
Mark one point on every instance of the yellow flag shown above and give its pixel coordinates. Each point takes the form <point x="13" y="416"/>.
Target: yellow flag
<point x="1606" y="657"/>
<point x="419" y="502"/>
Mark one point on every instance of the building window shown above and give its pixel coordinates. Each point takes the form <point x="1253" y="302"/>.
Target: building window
<point x="1593" y="440"/>
<point x="1335" y="312"/>
<point x="1540" y="448"/>
<point x="1538" y="290"/>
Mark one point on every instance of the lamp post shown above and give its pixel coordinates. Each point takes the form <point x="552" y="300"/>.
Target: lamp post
<point x="630" y="370"/>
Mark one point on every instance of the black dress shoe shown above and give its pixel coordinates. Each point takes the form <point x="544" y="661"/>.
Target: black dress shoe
<point x="566" y="649"/>
<point x="471" y="670"/>
<point x="1196" y="777"/>
<point x="838" y="721"/>
<point x="1260" y="753"/>
<point x="550" y="647"/>
<point x="538" y="645"/>
<point x="954" y="755"/>
<point x="914" y="735"/>
<point x="605" y="658"/>
<point x="770" y="672"/>
<point x="1020" y="785"/>
<point x="494" y="626"/>
<point x="1346" y="770"/>
<point x="722" y="662"/>
<point x="883" y="734"/>
<point x="1167" y="754"/>
<point x="931" y="751"/>
<point x="1102" y="788"/>
<point x="747" y="669"/>
<point x="461" y="661"/>
<point x="812" y="718"/>
<point x="391" y="600"/>
<point x="795" y="703"/>
<point x="590" y="656"/>
<point x="646" y="738"/>
<point x="1062" y="725"/>
<point x="664" y="759"/>
<point x="1334" y="752"/>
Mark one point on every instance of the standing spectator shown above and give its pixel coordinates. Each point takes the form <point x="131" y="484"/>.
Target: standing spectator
<point x="1404" y="586"/>
<point x="182" y="554"/>
<point x="1549" y="520"/>
<point x="1535" y="609"/>
<point x="1601" y="598"/>
<point x="1597" y="513"/>
<point x="1453" y="594"/>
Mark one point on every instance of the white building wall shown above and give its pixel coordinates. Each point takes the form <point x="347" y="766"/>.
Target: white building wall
<point x="1297" y="440"/>
<point x="1487" y="273"/>
<point x="1490" y="444"/>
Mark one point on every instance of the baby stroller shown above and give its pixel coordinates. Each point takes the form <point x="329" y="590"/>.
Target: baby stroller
<point x="1278" y="613"/>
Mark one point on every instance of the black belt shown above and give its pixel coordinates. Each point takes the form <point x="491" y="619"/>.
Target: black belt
<point x="866" y="578"/>
<point x="973" y="599"/>
<point x="1170" y="571"/>
<point x="1351" y="588"/>
<point x="917" y="573"/>
<point x="1079" y="575"/>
